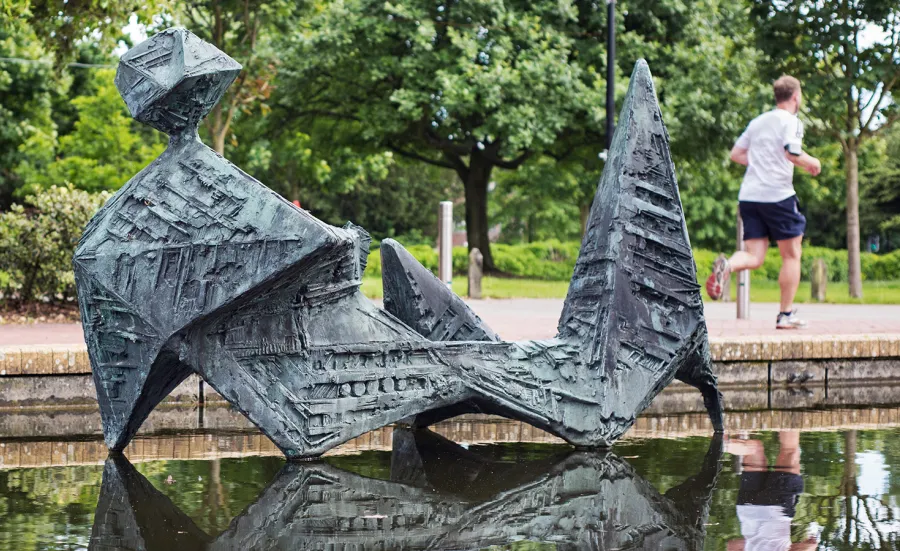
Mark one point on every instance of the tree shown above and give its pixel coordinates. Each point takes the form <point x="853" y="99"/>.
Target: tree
<point x="880" y="183"/>
<point x="105" y="148"/>
<point x="466" y="85"/>
<point x="846" y="55"/>
<point x="26" y="94"/>
<point x="238" y="28"/>
<point x="704" y="62"/>
<point x="541" y="200"/>
<point x="64" y="25"/>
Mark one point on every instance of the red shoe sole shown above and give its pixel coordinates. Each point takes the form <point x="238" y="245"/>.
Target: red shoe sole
<point x="713" y="287"/>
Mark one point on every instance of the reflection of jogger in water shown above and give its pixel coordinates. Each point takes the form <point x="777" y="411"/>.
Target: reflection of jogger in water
<point x="768" y="495"/>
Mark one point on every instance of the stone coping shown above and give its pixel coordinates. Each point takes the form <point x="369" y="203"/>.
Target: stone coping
<point x="61" y="359"/>
<point x="72" y="359"/>
<point x="796" y="346"/>
<point x="466" y="429"/>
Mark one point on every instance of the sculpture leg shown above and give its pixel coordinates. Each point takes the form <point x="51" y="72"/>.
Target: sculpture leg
<point x="698" y="373"/>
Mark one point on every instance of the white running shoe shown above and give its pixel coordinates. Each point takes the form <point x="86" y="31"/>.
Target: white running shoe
<point x="789" y="321"/>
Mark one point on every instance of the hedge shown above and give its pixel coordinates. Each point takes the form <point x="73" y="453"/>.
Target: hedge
<point x="554" y="260"/>
<point x="37" y="243"/>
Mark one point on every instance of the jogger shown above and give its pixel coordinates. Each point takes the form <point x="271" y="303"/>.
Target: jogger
<point x="770" y="148"/>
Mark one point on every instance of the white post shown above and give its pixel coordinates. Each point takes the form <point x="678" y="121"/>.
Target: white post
<point x="445" y="243"/>
<point x="743" y="279"/>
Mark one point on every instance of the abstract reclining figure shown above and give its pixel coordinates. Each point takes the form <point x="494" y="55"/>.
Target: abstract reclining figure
<point x="440" y="496"/>
<point x="194" y="266"/>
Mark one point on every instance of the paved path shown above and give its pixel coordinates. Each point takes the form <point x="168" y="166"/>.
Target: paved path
<point x="536" y="319"/>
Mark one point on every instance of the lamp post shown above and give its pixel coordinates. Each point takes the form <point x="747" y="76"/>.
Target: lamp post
<point x="610" y="71"/>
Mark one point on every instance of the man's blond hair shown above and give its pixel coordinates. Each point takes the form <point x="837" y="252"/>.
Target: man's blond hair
<point x="785" y="88"/>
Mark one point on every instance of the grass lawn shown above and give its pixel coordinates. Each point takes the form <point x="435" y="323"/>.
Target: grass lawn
<point x="875" y="292"/>
<point x="491" y="287"/>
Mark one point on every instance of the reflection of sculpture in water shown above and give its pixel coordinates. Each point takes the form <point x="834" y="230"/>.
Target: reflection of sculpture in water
<point x="194" y="266"/>
<point x="440" y="496"/>
<point x="768" y="495"/>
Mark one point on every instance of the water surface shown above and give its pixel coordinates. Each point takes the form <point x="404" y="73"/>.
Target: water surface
<point x="820" y="490"/>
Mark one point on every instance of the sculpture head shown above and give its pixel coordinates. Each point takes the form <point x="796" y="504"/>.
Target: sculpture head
<point x="173" y="79"/>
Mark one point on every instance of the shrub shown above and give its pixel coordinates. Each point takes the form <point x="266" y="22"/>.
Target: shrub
<point x="883" y="267"/>
<point x="555" y="260"/>
<point x="37" y="243"/>
<point x="874" y="267"/>
<point x="373" y="265"/>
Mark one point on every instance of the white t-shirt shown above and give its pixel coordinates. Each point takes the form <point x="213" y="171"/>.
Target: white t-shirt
<point x="769" y="177"/>
<point x="764" y="527"/>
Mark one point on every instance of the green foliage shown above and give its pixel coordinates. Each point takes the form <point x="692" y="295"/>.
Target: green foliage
<point x="26" y="92"/>
<point x="554" y="260"/>
<point x="37" y="243"/>
<point x="880" y="189"/>
<point x="469" y="87"/>
<point x="542" y="200"/>
<point x="847" y="80"/>
<point x="548" y="260"/>
<point x="446" y="78"/>
<point x="102" y="153"/>
<point x="881" y="267"/>
<point x="705" y="68"/>
<point x="64" y="26"/>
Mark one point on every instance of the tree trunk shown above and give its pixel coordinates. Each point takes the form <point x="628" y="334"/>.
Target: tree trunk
<point x="851" y="160"/>
<point x="216" y="121"/>
<point x="476" y="182"/>
<point x="848" y="482"/>
<point x="585" y="211"/>
<point x="219" y="142"/>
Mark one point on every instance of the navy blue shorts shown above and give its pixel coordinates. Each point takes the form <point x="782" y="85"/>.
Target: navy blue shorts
<point x="771" y="488"/>
<point x="776" y="221"/>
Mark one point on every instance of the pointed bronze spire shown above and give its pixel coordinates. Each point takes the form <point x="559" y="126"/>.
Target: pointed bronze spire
<point x="422" y="301"/>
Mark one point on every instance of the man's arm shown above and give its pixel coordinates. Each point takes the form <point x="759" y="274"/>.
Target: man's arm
<point x="803" y="160"/>
<point x="740" y="155"/>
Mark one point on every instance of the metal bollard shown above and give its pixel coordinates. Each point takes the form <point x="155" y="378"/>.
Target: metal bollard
<point x="743" y="279"/>
<point x="445" y="243"/>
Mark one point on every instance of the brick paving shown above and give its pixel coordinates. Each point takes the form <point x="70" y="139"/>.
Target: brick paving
<point x="518" y="319"/>
<point x="537" y="318"/>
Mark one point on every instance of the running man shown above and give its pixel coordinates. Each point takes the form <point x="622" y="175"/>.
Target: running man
<point x="770" y="148"/>
<point x="768" y="495"/>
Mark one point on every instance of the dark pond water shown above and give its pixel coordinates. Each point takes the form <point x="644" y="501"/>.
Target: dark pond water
<point x="772" y="491"/>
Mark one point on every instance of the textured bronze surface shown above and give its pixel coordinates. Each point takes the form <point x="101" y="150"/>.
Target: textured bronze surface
<point x="194" y="266"/>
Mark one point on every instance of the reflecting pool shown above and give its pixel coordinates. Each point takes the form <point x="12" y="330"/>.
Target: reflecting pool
<point x="787" y="489"/>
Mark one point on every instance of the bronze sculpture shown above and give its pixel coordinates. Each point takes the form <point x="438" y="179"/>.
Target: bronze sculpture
<point x="194" y="266"/>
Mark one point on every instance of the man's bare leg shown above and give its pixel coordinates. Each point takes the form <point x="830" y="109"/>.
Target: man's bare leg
<point x="789" y="278"/>
<point x="751" y="452"/>
<point x="788" y="452"/>
<point x="750" y="259"/>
